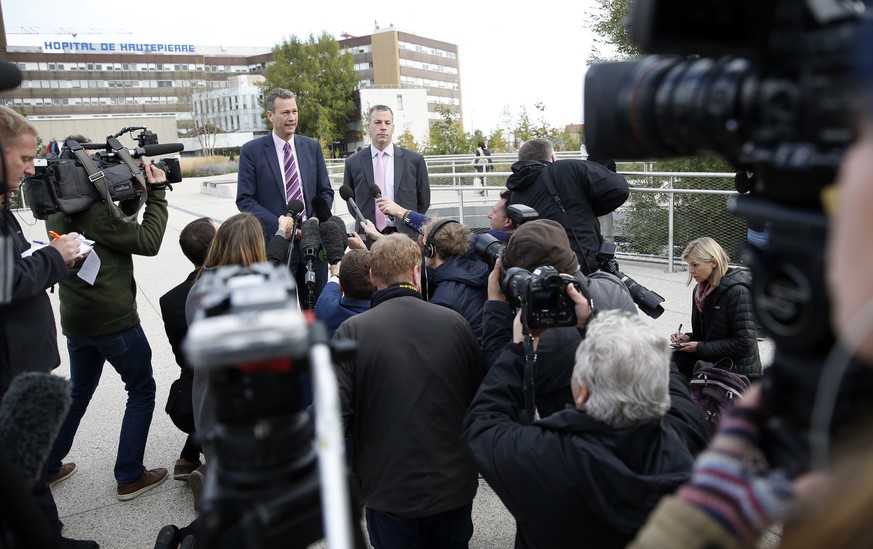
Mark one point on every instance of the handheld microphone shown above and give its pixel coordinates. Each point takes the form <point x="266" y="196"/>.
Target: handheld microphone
<point x="293" y="210"/>
<point x="334" y="239"/>
<point x="310" y="242"/>
<point x="31" y="415"/>
<point x="377" y="193"/>
<point x="321" y="209"/>
<point x="348" y="195"/>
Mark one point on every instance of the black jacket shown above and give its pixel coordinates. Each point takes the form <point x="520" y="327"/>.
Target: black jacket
<point x="404" y="396"/>
<point x="727" y="327"/>
<point x="570" y="480"/>
<point x="28" y="337"/>
<point x="462" y="285"/>
<point x="586" y="189"/>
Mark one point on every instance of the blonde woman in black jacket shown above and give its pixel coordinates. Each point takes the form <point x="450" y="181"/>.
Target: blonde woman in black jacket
<point x="722" y="315"/>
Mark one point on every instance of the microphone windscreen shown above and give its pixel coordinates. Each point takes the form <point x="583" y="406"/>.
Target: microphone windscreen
<point x="162" y="148"/>
<point x="294" y="208"/>
<point x="31" y="414"/>
<point x="310" y="240"/>
<point x="10" y="76"/>
<point x="333" y="239"/>
<point x="347" y="193"/>
<point x="375" y="190"/>
<point x="321" y="209"/>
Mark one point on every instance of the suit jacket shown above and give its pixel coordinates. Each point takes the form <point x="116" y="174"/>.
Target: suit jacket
<point x="261" y="183"/>
<point x="411" y="183"/>
<point x="173" y="312"/>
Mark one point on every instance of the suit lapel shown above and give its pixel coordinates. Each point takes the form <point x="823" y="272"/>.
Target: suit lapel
<point x="273" y="162"/>
<point x="399" y="163"/>
<point x="367" y="166"/>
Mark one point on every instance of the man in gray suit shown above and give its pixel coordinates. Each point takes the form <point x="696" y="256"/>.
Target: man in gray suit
<point x="403" y="174"/>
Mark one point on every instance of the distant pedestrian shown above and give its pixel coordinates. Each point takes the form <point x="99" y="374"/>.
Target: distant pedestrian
<point x="483" y="165"/>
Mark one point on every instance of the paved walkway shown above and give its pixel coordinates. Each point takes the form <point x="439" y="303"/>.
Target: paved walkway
<point x="87" y="502"/>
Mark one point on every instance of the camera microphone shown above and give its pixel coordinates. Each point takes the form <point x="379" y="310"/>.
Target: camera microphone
<point x="348" y="195"/>
<point x="334" y="239"/>
<point x="377" y="193"/>
<point x="158" y="149"/>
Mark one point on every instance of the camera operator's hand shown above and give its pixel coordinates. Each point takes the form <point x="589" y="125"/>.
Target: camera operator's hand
<point x="68" y="246"/>
<point x="370" y="230"/>
<point x="154" y="175"/>
<point x="389" y="207"/>
<point x="356" y="242"/>
<point x="334" y="269"/>
<point x="494" y="291"/>
<point x="285" y="224"/>
<point x="583" y="306"/>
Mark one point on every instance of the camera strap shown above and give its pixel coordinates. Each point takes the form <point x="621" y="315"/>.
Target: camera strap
<point x="98" y="178"/>
<point x="550" y="186"/>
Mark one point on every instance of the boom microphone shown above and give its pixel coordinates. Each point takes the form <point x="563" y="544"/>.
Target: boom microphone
<point x="348" y="195"/>
<point x="160" y="148"/>
<point x="333" y="239"/>
<point x="377" y="193"/>
<point x="31" y="415"/>
<point x="321" y="209"/>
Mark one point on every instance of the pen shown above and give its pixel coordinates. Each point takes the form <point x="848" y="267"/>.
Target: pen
<point x="54" y="234"/>
<point x="40" y="242"/>
<point x="680" y="329"/>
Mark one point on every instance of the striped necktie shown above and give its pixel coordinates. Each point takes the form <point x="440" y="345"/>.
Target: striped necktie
<point x="292" y="178"/>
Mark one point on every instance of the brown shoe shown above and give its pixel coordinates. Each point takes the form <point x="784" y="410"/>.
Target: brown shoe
<point x="152" y="478"/>
<point x="67" y="470"/>
<point x="196" y="481"/>
<point x="183" y="468"/>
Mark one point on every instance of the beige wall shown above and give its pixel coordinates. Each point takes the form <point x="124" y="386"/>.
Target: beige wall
<point x="386" y="61"/>
<point x="97" y="128"/>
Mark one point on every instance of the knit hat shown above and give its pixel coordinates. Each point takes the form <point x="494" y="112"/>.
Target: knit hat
<point x="539" y="243"/>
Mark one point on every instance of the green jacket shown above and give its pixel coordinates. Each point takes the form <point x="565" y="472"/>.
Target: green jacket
<point x="109" y="306"/>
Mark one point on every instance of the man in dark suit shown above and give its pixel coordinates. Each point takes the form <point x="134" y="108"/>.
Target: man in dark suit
<point x="277" y="169"/>
<point x="404" y="172"/>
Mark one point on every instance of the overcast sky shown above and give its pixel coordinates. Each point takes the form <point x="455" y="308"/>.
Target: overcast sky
<point x="509" y="58"/>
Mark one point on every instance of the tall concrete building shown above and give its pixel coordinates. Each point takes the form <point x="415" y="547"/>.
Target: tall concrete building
<point x="391" y="58"/>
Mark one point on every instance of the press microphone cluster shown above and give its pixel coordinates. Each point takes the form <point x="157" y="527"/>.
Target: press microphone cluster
<point x="332" y="231"/>
<point x="310" y="242"/>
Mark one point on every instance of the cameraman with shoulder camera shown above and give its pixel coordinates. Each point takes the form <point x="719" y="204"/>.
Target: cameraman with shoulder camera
<point x="101" y="324"/>
<point x="572" y="192"/>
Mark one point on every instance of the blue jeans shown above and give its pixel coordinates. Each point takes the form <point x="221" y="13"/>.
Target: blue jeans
<point x="131" y="356"/>
<point x="449" y="530"/>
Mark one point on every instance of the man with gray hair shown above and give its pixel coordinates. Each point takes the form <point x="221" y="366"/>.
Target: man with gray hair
<point x="588" y="475"/>
<point x="278" y="169"/>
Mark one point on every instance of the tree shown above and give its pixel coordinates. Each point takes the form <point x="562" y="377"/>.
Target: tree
<point x="524" y="129"/>
<point x="407" y="140"/>
<point x="447" y="135"/>
<point x="324" y="80"/>
<point x="610" y="33"/>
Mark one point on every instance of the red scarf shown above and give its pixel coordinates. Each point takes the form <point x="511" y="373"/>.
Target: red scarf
<point x="703" y="290"/>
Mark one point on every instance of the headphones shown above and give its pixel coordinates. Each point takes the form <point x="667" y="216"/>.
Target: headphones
<point x="429" y="248"/>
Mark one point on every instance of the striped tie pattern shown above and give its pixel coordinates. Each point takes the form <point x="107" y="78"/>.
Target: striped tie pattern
<point x="292" y="178"/>
<point x="380" y="181"/>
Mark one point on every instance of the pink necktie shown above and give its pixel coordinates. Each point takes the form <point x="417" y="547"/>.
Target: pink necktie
<point x="380" y="181"/>
<point x="292" y="179"/>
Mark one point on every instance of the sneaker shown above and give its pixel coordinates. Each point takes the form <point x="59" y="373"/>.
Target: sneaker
<point x="152" y="478"/>
<point x="184" y="468"/>
<point x="196" y="481"/>
<point x="67" y="470"/>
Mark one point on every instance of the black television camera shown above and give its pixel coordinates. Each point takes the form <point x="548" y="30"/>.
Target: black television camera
<point x="269" y="483"/>
<point x="488" y="247"/>
<point x="648" y="301"/>
<point x="74" y="179"/>
<point x="776" y="96"/>
<point x="542" y="296"/>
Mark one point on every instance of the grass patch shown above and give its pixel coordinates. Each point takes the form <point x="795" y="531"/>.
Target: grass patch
<point x="206" y="166"/>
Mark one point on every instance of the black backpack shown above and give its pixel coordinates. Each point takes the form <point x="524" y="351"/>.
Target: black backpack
<point x="716" y="391"/>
